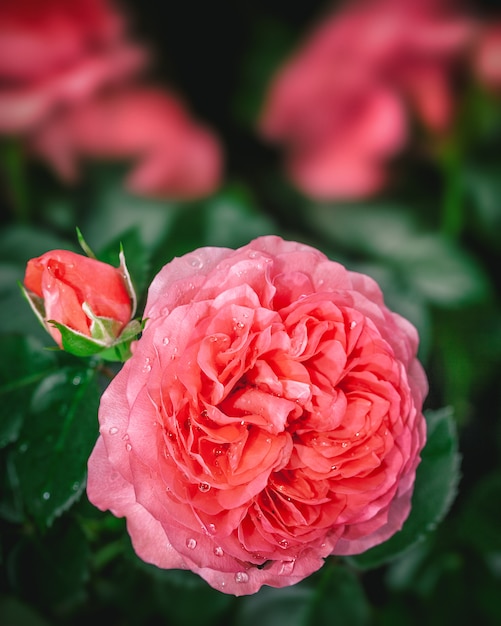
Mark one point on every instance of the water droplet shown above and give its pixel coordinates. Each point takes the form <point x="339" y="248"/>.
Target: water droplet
<point x="113" y="430"/>
<point x="76" y="380"/>
<point x="283" y="543"/>
<point x="147" y="366"/>
<point x="75" y="486"/>
<point x="166" y="341"/>
<point x="344" y="444"/>
<point x="211" y="529"/>
<point x="253" y="254"/>
<point x="196" y="262"/>
<point x="128" y="447"/>
<point x="357" y="434"/>
<point x="164" y="310"/>
<point x="333" y="467"/>
<point x="125" y="437"/>
<point x="287" y="567"/>
<point x="46" y="495"/>
<point x="204" y="487"/>
<point x="213" y="338"/>
<point x="191" y="543"/>
<point x="241" y="577"/>
<point x="353" y="324"/>
<point x="218" y="551"/>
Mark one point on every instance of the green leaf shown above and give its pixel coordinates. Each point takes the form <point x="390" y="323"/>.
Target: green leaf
<point x="108" y="210"/>
<point x="50" y="458"/>
<point x="23" y="365"/>
<point x="227" y="219"/>
<point x="480" y="517"/>
<point x="50" y="571"/>
<point x="435" y="488"/>
<point x="333" y="596"/>
<point x="433" y="266"/>
<point x="14" y="612"/>
<point x="232" y="219"/>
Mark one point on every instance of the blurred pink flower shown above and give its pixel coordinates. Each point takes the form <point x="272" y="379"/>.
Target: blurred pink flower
<point x="58" y="52"/>
<point x="174" y="156"/>
<point x="341" y="103"/>
<point x="487" y="56"/>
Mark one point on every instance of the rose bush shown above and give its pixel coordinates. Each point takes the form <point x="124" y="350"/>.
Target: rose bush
<point x="91" y="298"/>
<point x="343" y="103"/>
<point x="270" y="416"/>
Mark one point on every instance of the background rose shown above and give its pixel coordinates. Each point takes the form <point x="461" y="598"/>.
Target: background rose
<point x="343" y="103"/>
<point x="270" y="416"/>
<point x="65" y="281"/>
<point x="58" y="53"/>
<point x="175" y="156"/>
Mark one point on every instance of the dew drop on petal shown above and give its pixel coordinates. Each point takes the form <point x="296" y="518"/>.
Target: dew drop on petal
<point x="128" y="447"/>
<point x="287" y="567"/>
<point x="191" y="543"/>
<point x="241" y="577"/>
<point x="166" y="341"/>
<point x="46" y="495"/>
<point x="113" y="430"/>
<point x="218" y="551"/>
<point x="204" y="487"/>
<point x="283" y="543"/>
<point x="76" y="380"/>
<point x="196" y="262"/>
<point x="352" y="324"/>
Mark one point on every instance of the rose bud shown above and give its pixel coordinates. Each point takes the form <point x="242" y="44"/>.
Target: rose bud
<point x="270" y="416"/>
<point x="83" y="303"/>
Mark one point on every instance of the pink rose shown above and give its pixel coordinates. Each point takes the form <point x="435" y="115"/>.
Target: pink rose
<point x="58" y="52"/>
<point x="487" y="56"/>
<point x="341" y="104"/>
<point x="270" y="416"/>
<point x="81" y="293"/>
<point x="174" y="155"/>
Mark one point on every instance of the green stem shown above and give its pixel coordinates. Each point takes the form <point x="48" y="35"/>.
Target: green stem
<point x="13" y="166"/>
<point x="452" y="205"/>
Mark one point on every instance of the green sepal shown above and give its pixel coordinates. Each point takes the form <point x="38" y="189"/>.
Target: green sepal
<point x="120" y="350"/>
<point x="84" y="245"/>
<point x="76" y="343"/>
<point x="35" y="302"/>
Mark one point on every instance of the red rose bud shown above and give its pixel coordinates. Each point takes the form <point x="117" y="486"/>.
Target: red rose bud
<point x="83" y="303"/>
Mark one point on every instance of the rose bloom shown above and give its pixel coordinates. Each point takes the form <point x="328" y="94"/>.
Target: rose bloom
<point x="269" y="417"/>
<point x="487" y="56"/>
<point x="341" y="104"/>
<point x="56" y="53"/>
<point x="65" y="281"/>
<point x="172" y="154"/>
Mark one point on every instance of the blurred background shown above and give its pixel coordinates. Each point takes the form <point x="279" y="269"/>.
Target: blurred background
<point x="370" y="130"/>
